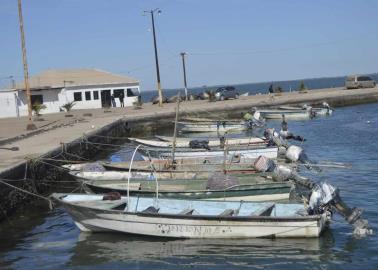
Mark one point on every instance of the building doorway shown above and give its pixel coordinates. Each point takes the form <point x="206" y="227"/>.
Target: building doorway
<point x="105" y="99"/>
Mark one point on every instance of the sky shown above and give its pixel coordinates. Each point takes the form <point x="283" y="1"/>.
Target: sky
<point x="227" y="42"/>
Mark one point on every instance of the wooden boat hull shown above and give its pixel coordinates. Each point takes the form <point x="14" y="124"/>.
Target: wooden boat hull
<point x="139" y="175"/>
<point x="212" y="143"/>
<point x="318" y="111"/>
<point x="271" y="191"/>
<point x="213" y="128"/>
<point x="167" y="166"/>
<point x="270" y="152"/>
<point x="289" y="114"/>
<point x="90" y="213"/>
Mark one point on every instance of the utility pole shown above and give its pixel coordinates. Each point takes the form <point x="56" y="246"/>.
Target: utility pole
<point x="183" y="68"/>
<point x="156" y="54"/>
<point x="30" y="125"/>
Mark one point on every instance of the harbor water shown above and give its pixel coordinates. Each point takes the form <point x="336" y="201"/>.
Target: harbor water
<point x="43" y="239"/>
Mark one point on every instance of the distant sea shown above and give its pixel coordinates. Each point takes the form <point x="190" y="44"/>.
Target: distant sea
<point x="261" y="87"/>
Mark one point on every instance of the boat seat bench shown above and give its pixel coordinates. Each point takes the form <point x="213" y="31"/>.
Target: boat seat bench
<point x="264" y="211"/>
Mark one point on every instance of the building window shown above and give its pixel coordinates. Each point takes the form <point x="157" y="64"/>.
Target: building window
<point x="95" y="95"/>
<point x="132" y="92"/>
<point x="36" y="99"/>
<point x="117" y="92"/>
<point x="87" y="95"/>
<point x="77" y="96"/>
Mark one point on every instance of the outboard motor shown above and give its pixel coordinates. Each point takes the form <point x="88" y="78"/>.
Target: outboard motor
<point x="296" y="154"/>
<point x="256" y="120"/>
<point x="275" y="138"/>
<point x="324" y="197"/>
<point x="311" y="111"/>
<point x="329" y="108"/>
<point x="281" y="172"/>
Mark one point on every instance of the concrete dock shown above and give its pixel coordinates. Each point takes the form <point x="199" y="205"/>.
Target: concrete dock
<point x="57" y="129"/>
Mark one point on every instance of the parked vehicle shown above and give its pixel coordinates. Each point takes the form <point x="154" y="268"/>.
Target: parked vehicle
<point x="227" y="92"/>
<point x="359" y="81"/>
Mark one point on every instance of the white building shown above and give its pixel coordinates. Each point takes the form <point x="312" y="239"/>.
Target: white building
<point x="88" y="88"/>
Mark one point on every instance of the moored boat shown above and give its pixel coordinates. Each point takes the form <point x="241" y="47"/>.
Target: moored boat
<point x="138" y="175"/>
<point x="221" y="127"/>
<point x="177" y="218"/>
<point x="318" y="111"/>
<point x="228" y="154"/>
<point x="185" y="142"/>
<point x="246" y="189"/>
<point x="289" y="114"/>
<point x="190" y="165"/>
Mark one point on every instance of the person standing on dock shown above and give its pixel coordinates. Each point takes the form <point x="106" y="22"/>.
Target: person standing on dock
<point x="113" y="101"/>
<point x="121" y="97"/>
<point x="270" y="89"/>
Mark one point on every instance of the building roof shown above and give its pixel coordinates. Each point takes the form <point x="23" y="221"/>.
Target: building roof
<point x="74" y="78"/>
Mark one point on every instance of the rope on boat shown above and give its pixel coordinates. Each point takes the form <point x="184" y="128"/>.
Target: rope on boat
<point x="3" y="181"/>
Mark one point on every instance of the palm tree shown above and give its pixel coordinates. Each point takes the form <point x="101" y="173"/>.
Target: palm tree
<point x="68" y="106"/>
<point x="37" y="108"/>
<point x="302" y="86"/>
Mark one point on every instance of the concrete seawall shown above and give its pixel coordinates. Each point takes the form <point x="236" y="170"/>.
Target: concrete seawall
<point x="120" y="122"/>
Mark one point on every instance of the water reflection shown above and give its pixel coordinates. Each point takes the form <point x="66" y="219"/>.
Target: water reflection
<point x="94" y="249"/>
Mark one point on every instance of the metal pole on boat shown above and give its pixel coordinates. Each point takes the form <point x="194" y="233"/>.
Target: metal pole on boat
<point x="128" y="177"/>
<point x="175" y="129"/>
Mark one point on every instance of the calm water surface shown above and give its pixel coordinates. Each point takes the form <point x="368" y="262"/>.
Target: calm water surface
<point x="49" y="239"/>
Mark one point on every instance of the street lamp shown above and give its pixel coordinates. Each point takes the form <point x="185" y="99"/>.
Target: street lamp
<point x="156" y="53"/>
<point x="183" y="68"/>
<point x="30" y="125"/>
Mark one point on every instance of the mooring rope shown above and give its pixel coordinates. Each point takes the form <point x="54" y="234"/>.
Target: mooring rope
<point x="27" y="192"/>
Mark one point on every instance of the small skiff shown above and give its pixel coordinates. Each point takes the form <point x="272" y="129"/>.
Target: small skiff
<point x="289" y="114"/>
<point x="139" y="175"/>
<point x="246" y="189"/>
<point x="252" y="153"/>
<point x="318" y="111"/>
<point x="212" y="143"/>
<point x="167" y="166"/>
<point x="177" y="218"/>
<point x="210" y="127"/>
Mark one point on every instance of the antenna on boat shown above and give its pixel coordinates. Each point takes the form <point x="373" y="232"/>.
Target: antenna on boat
<point x="175" y="129"/>
<point x="128" y="177"/>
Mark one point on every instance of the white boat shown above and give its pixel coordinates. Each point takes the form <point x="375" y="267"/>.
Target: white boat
<point x="135" y="175"/>
<point x="184" y="143"/>
<point x="318" y="111"/>
<point x="176" y="218"/>
<point x="211" y="127"/>
<point x="246" y="94"/>
<point x="241" y="154"/>
<point x="289" y="114"/>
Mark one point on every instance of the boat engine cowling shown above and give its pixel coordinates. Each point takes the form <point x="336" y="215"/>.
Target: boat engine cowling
<point x="281" y="172"/>
<point x="295" y="153"/>
<point x="275" y="138"/>
<point x="325" y="196"/>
